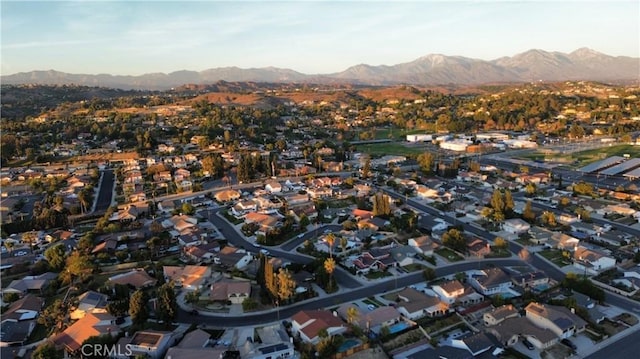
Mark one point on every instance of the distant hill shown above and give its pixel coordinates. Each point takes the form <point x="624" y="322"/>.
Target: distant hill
<point x="435" y="69"/>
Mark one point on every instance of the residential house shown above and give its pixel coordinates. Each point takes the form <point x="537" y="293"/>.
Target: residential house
<point x="231" y="257"/>
<point x="515" y="226"/>
<point x="227" y="195"/>
<point x="162" y="176"/>
<point x="449" y="291"/>
<point x="308" y="324"/>
<point x="202" y="253"/>
<point x="189" y="277"/>
<point x="563" y="241"/>
<point x="559" y="320"/>
<point x="592" y="261"/>
<point x="265" y="222"/>
<point x="403" y="255"/>
<point x="491" y="281"/>
<point x="274" y="343"/>
<point x="90" y="302"/>
<point x="478" y="247"/>
<point x="151" y="344"/>
<point x="498" y="315"/>
<point x="414" y="305"/>
<point x="320" y="192"/>
<point x="30" y="284"/>
<point x="91" y="325"/>
<point x="196" y="344"/>
<point x="476" y="343"/>
<point x="243" y="207"/>
<point x="129" y="214"/>
<point x="191" y="236"/>
<point x="308" y="211"/>
<point x="375" y="258"/>
<point x="273" y="187"/>
<point x="373" y="320"/>
<point x="137" y="278"/>
<point x="539" y="235"/>
<point x="19" y="320"/>
<point x="59" y="235"/>
<point x="230" y="291"/>
<point x="181" y="174"/>
<point x="536" y="280"/>
<point x="423" y="245"/>
<point x="510" y="330"/>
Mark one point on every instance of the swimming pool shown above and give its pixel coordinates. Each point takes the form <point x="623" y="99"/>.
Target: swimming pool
<point x="348" y="344"/>
<point x="398" y="327"/>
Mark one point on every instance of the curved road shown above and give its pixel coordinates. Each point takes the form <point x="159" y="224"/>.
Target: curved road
<point x="357" y="290"/>
<point x="335" y="299"/>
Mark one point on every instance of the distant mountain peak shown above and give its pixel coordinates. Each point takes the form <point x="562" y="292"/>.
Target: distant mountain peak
<point x="431" y="69"/>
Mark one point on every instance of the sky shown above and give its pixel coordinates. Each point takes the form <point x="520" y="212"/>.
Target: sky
<point x="313" y="37"/>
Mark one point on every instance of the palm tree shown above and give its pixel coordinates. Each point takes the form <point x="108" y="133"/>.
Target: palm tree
<point x="330" y="267"/>
<point x="343" y="244"/>
<point x="330" y="239"/>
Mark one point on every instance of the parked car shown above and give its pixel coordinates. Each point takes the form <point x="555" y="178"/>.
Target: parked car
<point x="569" y="343"/>
<point x="371" y="307"/>
<point x="264" y="252"/>
<point x="20" y="254"/>
<point x="527" y="344"/>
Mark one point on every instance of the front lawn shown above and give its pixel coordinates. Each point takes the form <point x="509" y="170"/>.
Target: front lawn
<point x="414" y="267"/>
<point x="556" y="257"/>
<point x="449" y="255"/>
<point x="498" y="253"/>
<point x="377" y="275"/>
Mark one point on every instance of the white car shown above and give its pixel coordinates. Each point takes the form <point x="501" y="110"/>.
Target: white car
<point x="264" y="252"/>
<point x="20" y="254"/>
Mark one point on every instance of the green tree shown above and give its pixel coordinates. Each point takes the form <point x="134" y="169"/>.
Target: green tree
<point x="500" y="243"/>
<point x="286" y="285"/>
<point x="455" y="240"/>
<point x="528" y="214"/>
<point x="78" y="266"/>
<point x="426" y="161"/>
<point x="249" y="304"/>
<point x="56" y="256"/>
<point x="366" y="168"/>
<point x="497" y="201"/>
<point x="167" y="303"/>
<point x="508" y="202"/>
<point x="138" y="307"/>
<point x="53" y="316"/>
<point x="530" y="189"/>
<point x="548" y="218"/>
<point x="330" y="267"/>
<point x="47" y="350"/>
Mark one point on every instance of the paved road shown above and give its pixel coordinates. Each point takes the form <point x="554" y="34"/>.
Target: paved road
<point x="625" y="348"/>
<point x="103" y="202"/>
<point x="223" y="321"/>
<point x="344" y="278"/>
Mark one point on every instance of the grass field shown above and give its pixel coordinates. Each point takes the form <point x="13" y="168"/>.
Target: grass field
<point x="381" y="149"/>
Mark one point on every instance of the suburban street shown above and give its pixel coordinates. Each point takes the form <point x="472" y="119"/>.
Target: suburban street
<point x="103" y="202"/>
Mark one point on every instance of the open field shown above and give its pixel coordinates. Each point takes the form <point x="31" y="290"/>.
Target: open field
<point x="393" y="148"/>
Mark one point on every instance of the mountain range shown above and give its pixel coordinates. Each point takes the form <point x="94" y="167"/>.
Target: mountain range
<point x="435" y="69"/>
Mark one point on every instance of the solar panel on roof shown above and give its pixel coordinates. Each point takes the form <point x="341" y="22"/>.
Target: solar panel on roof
<point x="634" y="174"/>
<point x="623" y="167"/>
<point x="607" y="162"/>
